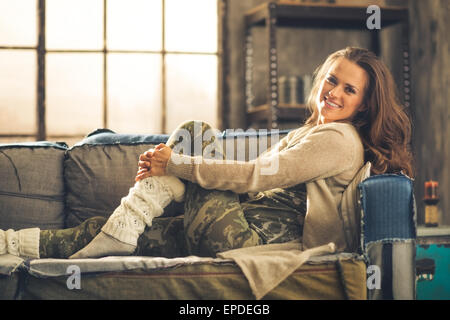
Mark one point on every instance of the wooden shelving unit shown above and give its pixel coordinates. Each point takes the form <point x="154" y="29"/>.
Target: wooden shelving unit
<point x="283" y="111"/>
<point x="309" y="15"/>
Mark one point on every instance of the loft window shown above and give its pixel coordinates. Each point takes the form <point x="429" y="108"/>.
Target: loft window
<point x="69" y="67"/>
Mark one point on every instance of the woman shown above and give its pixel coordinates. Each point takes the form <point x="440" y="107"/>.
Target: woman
<point x="356" y="117"/>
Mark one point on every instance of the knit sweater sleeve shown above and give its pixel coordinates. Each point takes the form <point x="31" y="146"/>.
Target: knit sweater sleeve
<point x="325" y="151"/>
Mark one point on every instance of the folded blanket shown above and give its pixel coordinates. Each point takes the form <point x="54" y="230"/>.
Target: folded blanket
<point x="266" y="266"/>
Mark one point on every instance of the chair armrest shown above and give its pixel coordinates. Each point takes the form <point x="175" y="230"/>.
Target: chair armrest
<point x="388" y="234"/>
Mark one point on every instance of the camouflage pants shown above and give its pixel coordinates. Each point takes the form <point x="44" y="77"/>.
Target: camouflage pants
<point x="213" y="220"/>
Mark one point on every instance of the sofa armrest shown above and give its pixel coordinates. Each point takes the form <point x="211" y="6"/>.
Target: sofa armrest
<point x="388" y="234"/>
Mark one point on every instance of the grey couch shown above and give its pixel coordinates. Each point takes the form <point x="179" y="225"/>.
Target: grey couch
<point x="48" y="185"/>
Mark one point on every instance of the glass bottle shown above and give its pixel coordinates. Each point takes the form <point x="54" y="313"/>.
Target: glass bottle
<point x="431" y="200"/>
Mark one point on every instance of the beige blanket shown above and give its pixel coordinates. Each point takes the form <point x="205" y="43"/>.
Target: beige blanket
<point x="266" y="266"/>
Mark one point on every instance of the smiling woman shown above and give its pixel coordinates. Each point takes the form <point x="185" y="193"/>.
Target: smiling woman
<point x="342" y="93"/>
<point x="122" y="65"/>
<point x="353" y="85"/>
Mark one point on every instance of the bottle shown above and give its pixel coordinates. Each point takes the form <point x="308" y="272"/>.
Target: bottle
<point x="296" y="90"/>
<point x="307" y="85"/>
<point x="283" y="90"/>
<point x="431" y="200"/>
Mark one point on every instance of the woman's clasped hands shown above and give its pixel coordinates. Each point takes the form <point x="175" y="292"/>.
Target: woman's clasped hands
<point x="153" y="162"/>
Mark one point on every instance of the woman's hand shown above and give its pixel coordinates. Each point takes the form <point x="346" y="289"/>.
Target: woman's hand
<point x="153" y="162"/>
<point x="144" y="165"/>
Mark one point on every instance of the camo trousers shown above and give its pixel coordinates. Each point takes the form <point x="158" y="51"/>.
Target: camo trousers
<point x="213" y="220"/>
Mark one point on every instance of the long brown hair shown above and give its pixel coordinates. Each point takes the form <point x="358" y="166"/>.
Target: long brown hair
<point x="384" y="126"/>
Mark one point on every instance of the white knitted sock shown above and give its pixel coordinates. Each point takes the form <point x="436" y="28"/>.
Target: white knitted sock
<point x="23" y="243"/>
<point x="145" y="201"/>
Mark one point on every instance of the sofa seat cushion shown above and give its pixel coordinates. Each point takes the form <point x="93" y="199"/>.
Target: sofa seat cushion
<point x="32" y="185"/>
<point x="194" y="278"/>
<point x="9" y="286"/>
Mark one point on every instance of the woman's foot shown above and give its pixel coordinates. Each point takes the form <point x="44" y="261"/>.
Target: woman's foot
<point x="104" y="245"/>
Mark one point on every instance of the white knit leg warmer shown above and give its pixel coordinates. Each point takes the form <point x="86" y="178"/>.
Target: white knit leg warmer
<point x="23" y="243"/>
<point x="145" y="201"/>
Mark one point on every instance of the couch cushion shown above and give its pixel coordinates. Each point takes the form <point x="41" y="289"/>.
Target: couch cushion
<point x="9" y="286"/>
<point x="31" y="185"/>
<point x="100" y="170"/>
<point x="329" y="277"/>
<point x="247" y="145"/>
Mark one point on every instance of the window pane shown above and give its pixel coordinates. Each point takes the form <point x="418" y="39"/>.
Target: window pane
<point x="74" y="24"/>
<point x="134" y="25"/>
<point x="18" y="23"/>
<point x="191" y="25"/>
<point x="17" y="92"/>
<point x="191" y="89"/>
<point x="134" y="93"/>
<point x="74" y="93"/>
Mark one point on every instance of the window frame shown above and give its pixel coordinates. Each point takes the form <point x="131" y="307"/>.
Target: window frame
<point x="41" y="53"/>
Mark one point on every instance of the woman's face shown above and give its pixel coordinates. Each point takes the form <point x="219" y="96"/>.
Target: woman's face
<point x="341" y="93"/>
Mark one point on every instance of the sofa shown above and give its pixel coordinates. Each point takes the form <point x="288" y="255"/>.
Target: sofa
<point x="49" y="185"/>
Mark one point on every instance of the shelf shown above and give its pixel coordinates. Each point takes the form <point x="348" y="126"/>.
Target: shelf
<point x="293" y="14"/>
<point x="437" y="235"/>
<point x="284" y="112"/>
<point x="433" y="232"/>
<point x="309" y="15"/>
